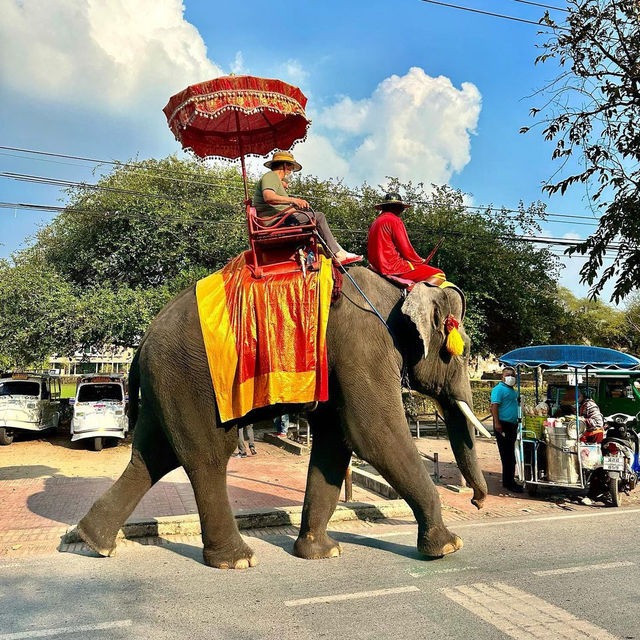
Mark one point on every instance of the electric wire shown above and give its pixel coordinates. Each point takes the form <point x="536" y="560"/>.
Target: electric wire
<point x="236" y="185"/>
<point x="422" y="231"/>
<point x="486" y="13"/>
<point x="544" y="6"/>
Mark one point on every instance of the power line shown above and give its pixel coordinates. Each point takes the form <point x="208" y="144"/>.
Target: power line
<point x="416" y="231"/>
<point x="230" y="184"/>
<point x="486" y="13"/>
<point x="544" y="6"/>
<point x="80" y="184"/>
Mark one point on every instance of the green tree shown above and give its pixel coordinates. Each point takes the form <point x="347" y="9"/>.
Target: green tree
<point x="592" y="322"/>
<point x="111" y="260"/>
<point x="33" y="302"/>
<point x="148" y="224"/>
<point x="592" y="111"/>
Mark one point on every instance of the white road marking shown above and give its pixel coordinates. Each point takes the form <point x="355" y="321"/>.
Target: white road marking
<point x="420" y="572"/>
<point x="345" y="596"/>
<point x="390" y="534"/>
<point x="46" y="633"/>
<point x="522" y="615"/>
<point x="586" y="567"/>
<point x="498" y="522"/>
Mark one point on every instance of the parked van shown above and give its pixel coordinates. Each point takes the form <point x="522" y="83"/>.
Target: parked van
<point x="99" y="409"/>
<point x="29" y="401"/>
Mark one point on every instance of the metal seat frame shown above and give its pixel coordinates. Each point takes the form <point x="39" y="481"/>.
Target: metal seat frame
<point x="275" y="243"/>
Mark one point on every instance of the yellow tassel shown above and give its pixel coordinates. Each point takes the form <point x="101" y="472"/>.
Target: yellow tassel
<point x="455" y="343"/>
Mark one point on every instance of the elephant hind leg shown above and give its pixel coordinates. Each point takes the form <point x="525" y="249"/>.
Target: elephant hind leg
<point x="152" y="457"/>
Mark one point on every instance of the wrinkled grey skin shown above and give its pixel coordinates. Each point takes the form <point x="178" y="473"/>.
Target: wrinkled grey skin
<point x="178" y="424"/>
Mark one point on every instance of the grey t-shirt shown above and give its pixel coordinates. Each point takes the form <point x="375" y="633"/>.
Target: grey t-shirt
<point x="269" y="180"/>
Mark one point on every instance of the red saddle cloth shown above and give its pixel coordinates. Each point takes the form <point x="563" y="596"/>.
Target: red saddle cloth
<point x="265" y="337"/>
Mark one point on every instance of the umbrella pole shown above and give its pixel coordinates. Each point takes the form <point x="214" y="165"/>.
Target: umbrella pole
<point x="244" y="169"/>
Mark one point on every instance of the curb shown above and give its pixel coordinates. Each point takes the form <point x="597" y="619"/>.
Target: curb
<point x="286" y="444"/>
<point x="255" y="519"/>
<point x="374" y="483"/>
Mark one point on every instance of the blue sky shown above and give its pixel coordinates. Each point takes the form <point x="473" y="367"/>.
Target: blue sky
<point x="399" y="87"/>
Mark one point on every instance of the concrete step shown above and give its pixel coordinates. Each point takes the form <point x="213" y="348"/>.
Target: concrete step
<point x="288" y="445"/>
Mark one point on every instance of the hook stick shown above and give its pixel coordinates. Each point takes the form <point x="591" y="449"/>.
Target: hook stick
<point x="355" y="284"/>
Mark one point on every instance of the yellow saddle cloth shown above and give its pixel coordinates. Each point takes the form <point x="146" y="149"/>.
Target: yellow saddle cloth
<point x="265" y="338"/>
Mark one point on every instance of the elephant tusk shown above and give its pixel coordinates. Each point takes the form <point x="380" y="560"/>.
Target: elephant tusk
<point x="466" y="409"/>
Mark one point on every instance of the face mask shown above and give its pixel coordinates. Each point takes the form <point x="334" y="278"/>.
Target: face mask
<point x="510" y="381"/>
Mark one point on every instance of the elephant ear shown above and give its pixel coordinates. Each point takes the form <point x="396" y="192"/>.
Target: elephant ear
<point x="463" y="299"/>
<point x="418" y="307"/>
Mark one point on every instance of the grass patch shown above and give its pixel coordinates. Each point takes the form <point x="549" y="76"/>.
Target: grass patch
<point x="68" y="390"/>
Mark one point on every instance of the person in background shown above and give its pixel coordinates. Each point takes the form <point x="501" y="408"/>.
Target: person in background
<point x="281" y="424"/>
<point x="504" y="409"/>
<point x="242" y="450"/>
<point x="389" y="250"/>
<point x="591" y="417"/>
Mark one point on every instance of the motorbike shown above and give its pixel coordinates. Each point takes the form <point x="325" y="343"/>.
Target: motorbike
<point x="620" y="458"/>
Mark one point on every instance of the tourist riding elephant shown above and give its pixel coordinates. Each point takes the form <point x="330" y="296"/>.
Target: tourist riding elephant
<point x="177" y="423"/>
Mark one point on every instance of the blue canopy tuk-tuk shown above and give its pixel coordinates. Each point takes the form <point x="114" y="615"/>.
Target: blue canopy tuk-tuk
<point x="551" y="451"/>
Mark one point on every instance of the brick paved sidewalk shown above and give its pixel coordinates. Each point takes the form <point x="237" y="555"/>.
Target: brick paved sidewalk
<point x="48" y="485"/>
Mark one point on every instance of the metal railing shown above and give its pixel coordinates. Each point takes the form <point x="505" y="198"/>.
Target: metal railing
<point x="436" y="425"/>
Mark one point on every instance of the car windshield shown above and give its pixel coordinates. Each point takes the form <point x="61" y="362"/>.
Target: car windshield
<point x="19" y="388"/>
<point x="97" y="392"/>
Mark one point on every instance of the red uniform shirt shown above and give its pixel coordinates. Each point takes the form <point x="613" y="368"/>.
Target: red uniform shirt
<point x="388" y="247"/>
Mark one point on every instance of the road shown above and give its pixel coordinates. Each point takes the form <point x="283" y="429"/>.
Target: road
<point x="535" y="577"/>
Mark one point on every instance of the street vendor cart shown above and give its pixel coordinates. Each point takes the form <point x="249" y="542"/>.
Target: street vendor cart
<point x="554" y="451"/>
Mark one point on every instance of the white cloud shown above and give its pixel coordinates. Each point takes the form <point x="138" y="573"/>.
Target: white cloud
<point x="413" y="127"/>
<point x="318" y="157"/>
<point x="292" y="71"/>
<point x="237" y="66"/>
<point x="116" y="54"/>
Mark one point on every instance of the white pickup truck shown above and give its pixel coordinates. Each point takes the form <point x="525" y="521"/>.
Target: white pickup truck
<point x="29" y="401"/>
<point x="99" y="409"/>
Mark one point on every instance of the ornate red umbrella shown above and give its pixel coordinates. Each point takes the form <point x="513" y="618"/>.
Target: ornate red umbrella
<point x="234" y="116"/>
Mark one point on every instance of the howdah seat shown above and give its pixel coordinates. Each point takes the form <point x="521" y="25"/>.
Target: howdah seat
<point x="278" y="246"/>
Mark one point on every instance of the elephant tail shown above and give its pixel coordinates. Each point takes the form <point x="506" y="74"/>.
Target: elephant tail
<point x="134" y="391"/>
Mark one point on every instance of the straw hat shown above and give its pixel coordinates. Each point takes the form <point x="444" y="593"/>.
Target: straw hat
<point x="283" y="156"/>
<point x="391" y="198"/>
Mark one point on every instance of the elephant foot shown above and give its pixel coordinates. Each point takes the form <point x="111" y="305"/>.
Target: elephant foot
<point x="240" y="557"/>
<point x="314" y="547"/>
<point x="478" y="499"/>
<point x="103" y="545"/>
<point x="438" y="541"/>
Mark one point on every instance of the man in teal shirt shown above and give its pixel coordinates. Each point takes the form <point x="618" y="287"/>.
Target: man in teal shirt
<point x="270" y="198"/>
<point x="504" y="409"/>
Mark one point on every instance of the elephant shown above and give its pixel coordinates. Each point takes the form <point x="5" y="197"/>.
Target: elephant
<point x="177" y="422"/>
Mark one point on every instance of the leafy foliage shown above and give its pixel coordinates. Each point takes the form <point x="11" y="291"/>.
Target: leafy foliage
<point x="593" y="322"/>
<point x="593" y="106"/>
<point x="105" y="266"/>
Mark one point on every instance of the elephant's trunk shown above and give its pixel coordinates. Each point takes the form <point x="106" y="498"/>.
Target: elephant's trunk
<point x="461" y="430"/>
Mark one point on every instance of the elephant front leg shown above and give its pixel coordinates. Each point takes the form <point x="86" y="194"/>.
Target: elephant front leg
<point x="327" y="467"/>
<point x="380" y="435"/>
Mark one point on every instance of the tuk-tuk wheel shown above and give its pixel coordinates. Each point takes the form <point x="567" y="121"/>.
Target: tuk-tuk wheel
<point x="6" y="436"/>
<point x="97" y="444"/>
<point x="532" y="490"/>
<point x="614" y="491"/>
